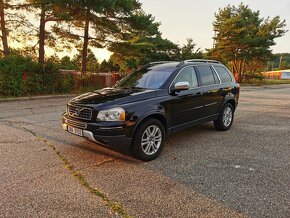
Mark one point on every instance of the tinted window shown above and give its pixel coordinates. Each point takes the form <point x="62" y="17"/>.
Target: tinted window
<point x="206" y="75"/>
<point x="223" y="74"/>
<point x="187" y="75"/>
<point x="145" y="78"/>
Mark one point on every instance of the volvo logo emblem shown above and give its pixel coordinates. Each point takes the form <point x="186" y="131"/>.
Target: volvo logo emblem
<point x="77" y="112"/>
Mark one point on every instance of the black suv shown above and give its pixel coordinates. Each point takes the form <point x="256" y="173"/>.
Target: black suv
<point x="154" y="101"/>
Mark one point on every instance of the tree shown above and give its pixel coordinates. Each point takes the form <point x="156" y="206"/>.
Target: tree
<point x="242" y="36"/>
<point x="99" y="21"/>
<point x="67" y="64"/>
<point x="188" y="51"/>
<point x="15" y="26"/>
<point x="50" y="11"/>
<point x="92" y="62"/>
<point x="141" y="43"/>
<point x="4" y="34"/>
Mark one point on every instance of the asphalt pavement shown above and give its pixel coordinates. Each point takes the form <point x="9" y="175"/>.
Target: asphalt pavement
<point x="244" y="172"/>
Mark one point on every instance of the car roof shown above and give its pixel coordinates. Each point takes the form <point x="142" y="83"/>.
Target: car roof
<point x="172" y="65"/>
<point x="164" y="66"/>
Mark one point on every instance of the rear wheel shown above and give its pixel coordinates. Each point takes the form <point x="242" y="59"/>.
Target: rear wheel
<point x="149" y="139"/>
<point x="225" y="119"/>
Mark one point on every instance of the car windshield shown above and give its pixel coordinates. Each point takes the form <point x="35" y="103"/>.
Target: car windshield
<point x="145" y="78"/>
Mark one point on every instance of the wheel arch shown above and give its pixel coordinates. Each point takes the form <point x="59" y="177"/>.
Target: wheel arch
<point x="232" y="102"/>
<point x="155" y="115"/>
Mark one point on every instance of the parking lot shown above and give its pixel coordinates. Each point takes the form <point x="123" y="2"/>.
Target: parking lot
<point x="244" y="172"/>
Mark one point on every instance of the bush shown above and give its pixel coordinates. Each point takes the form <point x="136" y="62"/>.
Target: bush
<point x="66" y="83"/>
<point x="11" y="69"/>
<point x="22" y="76"/>
<point x="42" y="79"/>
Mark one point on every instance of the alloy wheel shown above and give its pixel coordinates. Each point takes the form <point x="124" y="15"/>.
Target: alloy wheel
<point x="228" y="116"/>
<point x="151" y="140"/>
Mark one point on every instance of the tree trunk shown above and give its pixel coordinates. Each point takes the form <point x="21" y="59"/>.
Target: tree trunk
<point x="243" y="71"/>
<point x="235" y="70"/>
<point x="41" y="37"/>
<point x="6" y="50"/>
<point x="86" y="43"/>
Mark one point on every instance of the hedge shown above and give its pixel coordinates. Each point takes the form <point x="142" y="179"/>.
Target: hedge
<point x="21" y="76"/>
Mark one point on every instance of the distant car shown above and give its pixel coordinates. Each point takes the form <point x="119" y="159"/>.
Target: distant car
<point x="154" y="101"/>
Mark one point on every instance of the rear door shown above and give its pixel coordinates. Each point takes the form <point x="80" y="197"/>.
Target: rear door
<point x="210" y="83"/>
<point x="226" y="79"/>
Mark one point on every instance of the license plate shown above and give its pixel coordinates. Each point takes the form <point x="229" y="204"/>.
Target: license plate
<point x="75" y="131"/>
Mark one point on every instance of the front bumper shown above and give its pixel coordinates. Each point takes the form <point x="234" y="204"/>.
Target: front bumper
<point x="103" y="133"/>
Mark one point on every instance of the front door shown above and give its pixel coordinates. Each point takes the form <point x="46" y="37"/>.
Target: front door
<point x="186" y="105"/>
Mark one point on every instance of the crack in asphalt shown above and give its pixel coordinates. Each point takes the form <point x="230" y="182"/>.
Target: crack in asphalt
<point x="98" y="164"/>
<point x="115" y="206"/>
<point x="18" y="142"/>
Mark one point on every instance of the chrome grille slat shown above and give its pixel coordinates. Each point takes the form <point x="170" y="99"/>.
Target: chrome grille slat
<point x="80" y="112"/>
<point x="77" y="124"/>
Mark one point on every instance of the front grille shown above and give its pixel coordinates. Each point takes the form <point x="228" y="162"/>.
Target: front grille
<point x="80" y="112"/>
<point x="77" y="124"/>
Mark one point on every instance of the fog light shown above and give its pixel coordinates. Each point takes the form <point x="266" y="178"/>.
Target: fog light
<point x="64" y="126"/>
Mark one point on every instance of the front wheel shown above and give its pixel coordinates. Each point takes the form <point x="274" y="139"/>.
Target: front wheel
<point x="225" y="119"/>
<point x="149" y="139"/>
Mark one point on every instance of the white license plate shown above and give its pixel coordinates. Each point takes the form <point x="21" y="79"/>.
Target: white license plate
<point x="75" y="131"/>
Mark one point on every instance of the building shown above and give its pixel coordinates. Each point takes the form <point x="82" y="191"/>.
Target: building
<point x="279" y="74"/>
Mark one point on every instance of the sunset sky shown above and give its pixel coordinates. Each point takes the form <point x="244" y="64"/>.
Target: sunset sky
<point x="193" y="19"/>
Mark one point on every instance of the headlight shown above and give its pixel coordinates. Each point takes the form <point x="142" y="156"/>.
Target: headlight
<point x="114" y="114"/>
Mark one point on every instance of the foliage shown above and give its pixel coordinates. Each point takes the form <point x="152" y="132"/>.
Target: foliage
<point x="279" y="61"/>
<point x="242" y="36"/>
<point x="141" y="43"/>
<point x="11" y="69"/>
<point x="22" y="76"/>
<point x="99" y="22"/>
<point x="188" y="51"/>
<point x="108" y="66"/>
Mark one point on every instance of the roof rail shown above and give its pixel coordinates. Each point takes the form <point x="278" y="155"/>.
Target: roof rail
<point x="151" y="64"/>
<point x="201" y="60"/>
<point x="158" y="62"/>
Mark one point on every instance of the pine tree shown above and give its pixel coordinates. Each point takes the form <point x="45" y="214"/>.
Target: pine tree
<point x="242" y="36"/>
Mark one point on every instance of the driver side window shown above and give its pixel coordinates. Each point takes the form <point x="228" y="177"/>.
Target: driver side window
<point x="187" y="74"/>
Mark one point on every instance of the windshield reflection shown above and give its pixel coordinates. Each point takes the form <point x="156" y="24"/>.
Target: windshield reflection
<point x="145" y="79"/>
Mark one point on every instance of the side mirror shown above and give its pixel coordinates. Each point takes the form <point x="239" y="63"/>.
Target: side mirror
<point x="180" y="86"/>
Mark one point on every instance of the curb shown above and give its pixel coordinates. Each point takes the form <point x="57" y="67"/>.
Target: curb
<point x="276" y="86"/>
<point x="36" y="97"/>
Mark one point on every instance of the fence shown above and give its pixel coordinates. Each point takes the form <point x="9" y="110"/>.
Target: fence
<point x="91" y="80"/>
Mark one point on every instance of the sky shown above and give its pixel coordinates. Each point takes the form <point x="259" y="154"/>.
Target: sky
<point x="182" y="19"/>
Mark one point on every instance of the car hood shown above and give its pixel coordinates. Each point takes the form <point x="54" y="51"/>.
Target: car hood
<point x="113" y="96"/>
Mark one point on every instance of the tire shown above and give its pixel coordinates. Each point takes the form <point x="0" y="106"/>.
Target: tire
<point x="152" y="134"/>
<point x="225" y="119"/>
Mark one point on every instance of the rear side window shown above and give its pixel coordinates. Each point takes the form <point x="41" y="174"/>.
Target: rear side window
<point x="206" y="75"/>
<point x="223" y="74"/>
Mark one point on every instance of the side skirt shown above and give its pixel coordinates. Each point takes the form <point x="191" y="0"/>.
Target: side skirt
<point x="192" y="123"/>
